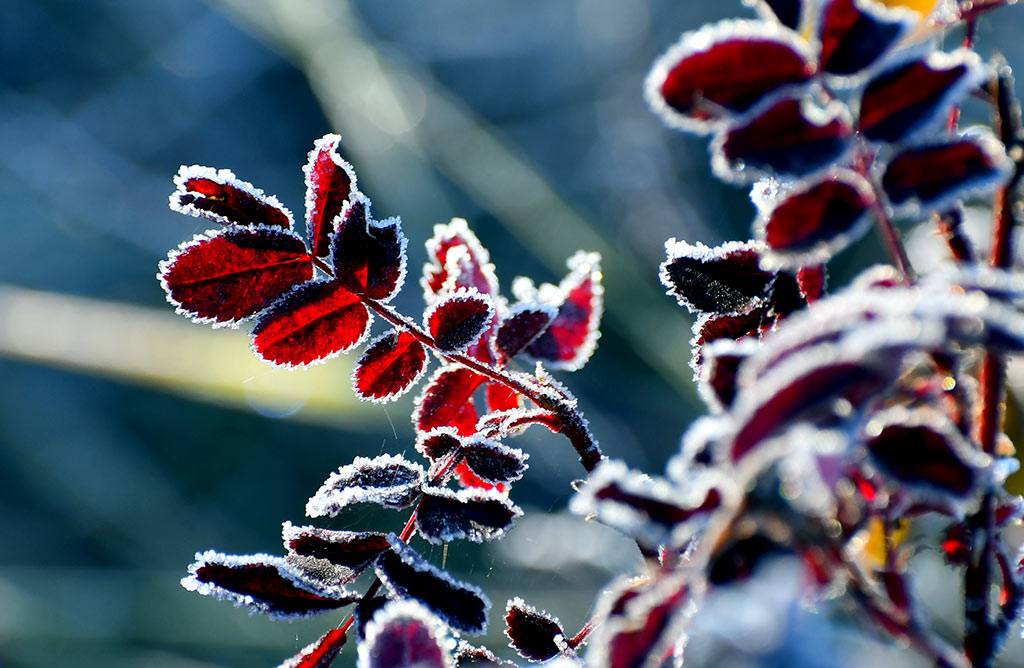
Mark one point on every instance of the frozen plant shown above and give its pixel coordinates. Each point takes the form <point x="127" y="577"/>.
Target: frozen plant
<point x="833" y="420"/>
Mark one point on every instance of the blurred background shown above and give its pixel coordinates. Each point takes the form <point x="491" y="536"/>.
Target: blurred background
<point x="130" y="438"/>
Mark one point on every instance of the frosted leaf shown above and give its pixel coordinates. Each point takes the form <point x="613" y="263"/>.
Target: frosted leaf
<point x="389" y="367"/>
<point x="640" y="625"/>
<point x="330" y="181"/>
<point x="314" y="322"/>
<point x="369" y="255"/>
<point x="724" y="69"/>
<point x="724" y="279"/>
<point x="493" y="461"/>
<point x="406" y="574"/>
<point x="456" y="258"/>
<point x="438" y="442"/>
<point x="470" y="514"/>
<point x="500" y="424"/>
<point x="815" y="220"/>
<point x="532" y="633"/>
<point x="404" y="634"/>
<point x="446" y="400"/>
<point x="352" y="551"/>
<point x="470" y="656"/>
<point x="790" y="13"/>
<point x="789" y="137"/>
<point x="934" y="174"/>
<point x="699" y="449"/>
<point x="717" y="382"/>
<point x="262" y="583"/>
<point x="913" y="94"/>
<point x="652" y="511"/>
<point x="223" y="277"/>
<point x="521" y="326"/>
<point x="220" y="196"/>
<point x="856" y="34"/>
<point x="458" y="319"/>
<point x="571" y="338"/>
<point x="924" y="452"/>
<point x="391" y="481"/>
<point x="712" y="327"/>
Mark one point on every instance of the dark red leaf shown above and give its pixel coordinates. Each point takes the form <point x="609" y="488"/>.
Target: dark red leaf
<point x="471" y="514"/>
<point x="330" y="182"/>
<point x="654" y="512"/>
<point x="731" y="326"/>
<point x="916" y="94"/>
<point x="855" y="34"/>
<point x="933" y="175"/>
<point x="457" y="259"/>
<point x="921" y="450"/>
<point x="813" y="385"/>
<point x="458" y="319"/>
<point x="787" y="12"/>
<point x="447" y="400"/>
<point x="349" y="550"/>
<point x="494" y="462"/>
<point x="725" y="68"/>
<point x="723" y="279"/>
<point x="264" y="584"/>
<point x="369" y="255"/>
<point x="790" y="137"/>
<point x="719" y="369"/>
<point x="391" y="481"/>
<point x="218" y="195"/>
<point x="225" y="276"/>
<point x="816" y="220"/>
<point x="389" y="367"/>
<point x="403" y="634"/>
<point x="320" y="654"/>
<point x="468" y="656"/>
<point x="313" y="322"/>
<point x="467" y="478"/>
<point x="408" y="575"/>
<point x="570" y="339"/>
<point x="533" y="634"/>
<point x="651" y="623"/>
<point x="438" y="442"/>
<point x="811" y="282"/>
<point x="521" y="326"/>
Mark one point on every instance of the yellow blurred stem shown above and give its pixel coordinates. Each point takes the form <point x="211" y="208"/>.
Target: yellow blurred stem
<point x="155" y="348"/>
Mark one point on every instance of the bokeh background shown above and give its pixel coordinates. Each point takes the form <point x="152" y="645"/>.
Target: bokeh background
<point x="130" y="438"/>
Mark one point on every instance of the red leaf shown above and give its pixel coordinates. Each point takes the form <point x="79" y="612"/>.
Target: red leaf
<point x="350" y="550"/>
<point x="932" y="175"/>
<point x="914" y="95"/>
<point x="790" y="137"/>
<point x="408" y="575"/>
<point x="812" y="282"/>
<point x="458" y="319"/>
<point x="403" y="634"/>
<point x="457" y="259"/>
<point x="725" y="68"/>
<point x="446" y="400"/>
<point x="320" y="654"/>
<point x="369" y="255"/>
<point x="732" y="326"/>
<point x="570" y="339"/>
<point x="264" y="584"/>
<point x="520" y="326"/>
<point x="723" y="279"/>
<point x="719" y="369"/>
<point x="330" y="182"/>
<point x="225" y="276"/>
<point x="816" y="220"/>
<point x="646" y="629"/>
<point x="501" y="398"/>
<point x="391" y="365"/>
<point x="534" y="634"/>
<point x="925" y="452"/>
<point x="855" y="34"/>
<point x="218" y="195"/>
<point x="313" y="322"/>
